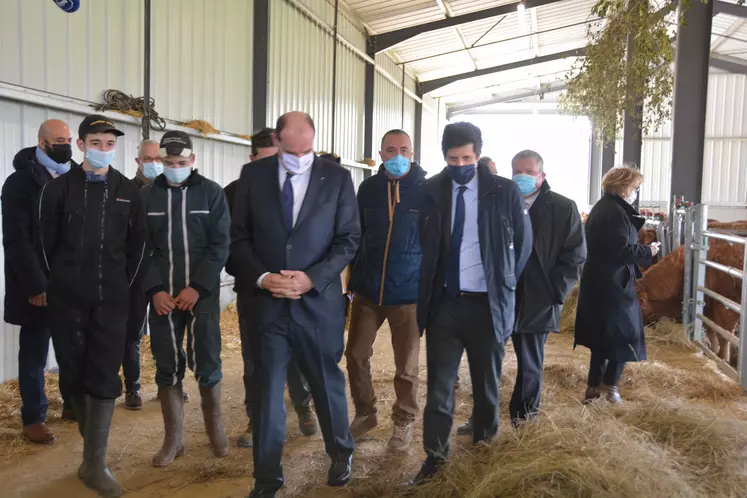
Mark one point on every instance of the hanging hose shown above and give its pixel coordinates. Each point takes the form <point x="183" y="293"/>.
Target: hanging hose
<point x="114" y="100"/>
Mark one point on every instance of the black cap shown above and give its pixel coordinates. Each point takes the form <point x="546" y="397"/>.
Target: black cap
<point x="96" y="123"/>
<point x="176" y="143"/>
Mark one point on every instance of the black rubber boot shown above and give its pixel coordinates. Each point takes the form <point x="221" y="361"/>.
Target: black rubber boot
<point x="172" y="408"/>
<point x="98" y="423"/>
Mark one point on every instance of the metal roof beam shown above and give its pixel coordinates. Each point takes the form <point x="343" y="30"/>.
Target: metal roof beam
<point x="728" y="63"/>
<point x="430" y="85"/>
<point x="499" y="99"/>
<point x="387" y="40"/>
<point x="731" y="9"/>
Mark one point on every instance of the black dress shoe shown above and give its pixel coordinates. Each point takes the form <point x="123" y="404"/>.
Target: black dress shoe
<point x="340" y="471"/>
<point x="427" y="471"/>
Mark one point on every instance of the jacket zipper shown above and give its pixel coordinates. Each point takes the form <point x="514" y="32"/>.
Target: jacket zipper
<point x="101" y="246"/>
<point x="391" y="205"/>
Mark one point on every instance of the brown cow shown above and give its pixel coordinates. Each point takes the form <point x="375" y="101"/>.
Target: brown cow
<point x="660" y="289"/>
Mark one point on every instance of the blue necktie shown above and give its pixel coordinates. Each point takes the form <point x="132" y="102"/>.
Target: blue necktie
<point x="288" y="202"/>
<point x="452" y="277"/>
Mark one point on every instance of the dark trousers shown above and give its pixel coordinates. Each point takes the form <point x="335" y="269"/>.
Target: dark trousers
<point x="318" y="352"/>
<point x="202" y="328"/>
<point x="135" y="327"/>
<point x="89" y="344"/>
<point x="530" y="353"/>
<point x="461" y="323"/>
<point x="603" y="371"/>
<point x="32" y="359"/>
<point x="298" y="388"/>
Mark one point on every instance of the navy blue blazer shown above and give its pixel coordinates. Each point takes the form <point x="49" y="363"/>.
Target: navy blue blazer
<point x="322" y="243"/>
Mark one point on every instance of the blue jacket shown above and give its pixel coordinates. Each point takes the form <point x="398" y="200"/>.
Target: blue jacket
<point x="505" y="233"/>
<point x="387" y="267"/>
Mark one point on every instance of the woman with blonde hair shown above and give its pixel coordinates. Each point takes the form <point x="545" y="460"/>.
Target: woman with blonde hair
<point x="608" y="317"/>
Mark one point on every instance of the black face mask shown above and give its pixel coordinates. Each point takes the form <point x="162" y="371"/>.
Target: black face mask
<point x="59" y="153"/>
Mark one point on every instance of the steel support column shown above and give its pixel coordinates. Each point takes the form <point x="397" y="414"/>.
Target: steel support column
<point x="418" y="138"/>
<point x="368" y="103"/>
<point x="608" y="157"/>
<point x="261" y="56"/>
<point x="146" y="70"/>
<point x="334" y="78"/>
<point x="690" y="99"/>
<point x="632" y="121"/>
<point x="595" y="167"/>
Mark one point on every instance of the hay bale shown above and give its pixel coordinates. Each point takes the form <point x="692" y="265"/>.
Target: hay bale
<point x="710" y="445"/>
<point x="670" y="333"/>
<point x="570" y="452"/>
<point x="568" y="314"/>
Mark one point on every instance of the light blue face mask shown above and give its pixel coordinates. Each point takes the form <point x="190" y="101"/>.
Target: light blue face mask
<point x="99" y="159"/>
<point x="152" y="170"/>
<point x="527" y="183"/>
<point x="50" y="164"/>
<point x="397" y="166"/>
<point x="176" y="176"/>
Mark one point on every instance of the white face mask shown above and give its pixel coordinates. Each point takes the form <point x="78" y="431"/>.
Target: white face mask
<point x="631" y="199"/>
<point x="295" y="164"/>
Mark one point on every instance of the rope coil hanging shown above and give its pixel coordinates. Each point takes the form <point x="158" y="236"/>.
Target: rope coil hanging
<point x="114" y="100"/>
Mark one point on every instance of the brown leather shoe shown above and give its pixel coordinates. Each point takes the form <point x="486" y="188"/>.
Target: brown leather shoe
<point x="38" y="433"/>
<point x="591" y="394"/>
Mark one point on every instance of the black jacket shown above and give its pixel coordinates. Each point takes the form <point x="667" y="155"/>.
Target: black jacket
<point x="505" y="234"/>
<point x="387" y="267"/>
<point x="92" y="237"/>
<point x="230" y="191"/>
<point x="608" y="316"/>
<point x="24" y="275"/>
<point x="322" y="243"/>
<point x="558" y="252"/>
<point x="188" y="235"/>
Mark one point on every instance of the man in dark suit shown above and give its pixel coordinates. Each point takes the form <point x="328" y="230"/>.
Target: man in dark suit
<point x="476" y="238"/>
<point x="551" y="272"/>
<point x="263" y="145"/>
<point x="295" y="228"/>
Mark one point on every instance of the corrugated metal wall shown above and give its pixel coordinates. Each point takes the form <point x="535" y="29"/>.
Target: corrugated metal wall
<point x="431" y="158"/>
<point x="725" y="156"/>
<point x="201" y="54"/>
<point x="300" y="74"/>
<point x="202" y="57"/>
<point x="388" y="109"/>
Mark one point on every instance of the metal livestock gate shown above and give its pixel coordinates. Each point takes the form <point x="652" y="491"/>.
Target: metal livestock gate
<point x="697" y="236"/>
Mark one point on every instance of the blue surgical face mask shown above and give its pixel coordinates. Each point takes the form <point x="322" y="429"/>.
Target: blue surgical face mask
<point x="397" y="166"/>
<point x="152" y="170"/>
<point x="527" y="183"/>
<point x="176" y="176"/>
<point x="99" y="159"/>
<point x="462" y="174"/>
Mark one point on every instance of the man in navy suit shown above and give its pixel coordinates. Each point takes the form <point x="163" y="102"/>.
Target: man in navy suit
<point x="295" y="228"/>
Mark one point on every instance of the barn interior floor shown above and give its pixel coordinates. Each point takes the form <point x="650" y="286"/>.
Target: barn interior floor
<point x="673" y="375"/>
